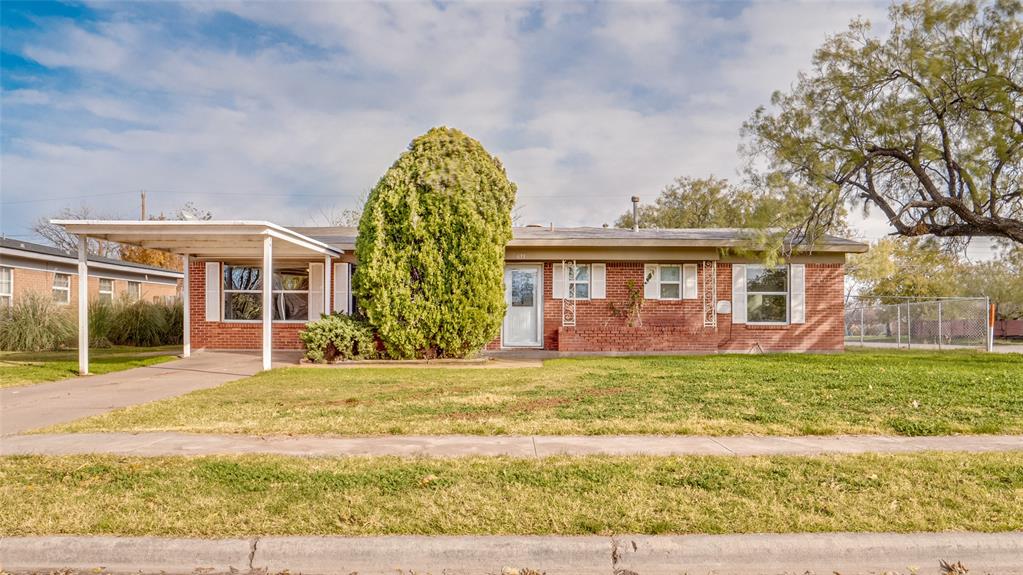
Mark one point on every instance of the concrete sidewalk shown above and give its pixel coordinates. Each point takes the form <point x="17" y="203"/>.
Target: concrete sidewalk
<point x="153" y="444"/>
<point x="824" y="553"/>
<point x="34" y="406"/>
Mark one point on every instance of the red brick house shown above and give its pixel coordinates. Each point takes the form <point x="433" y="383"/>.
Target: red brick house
<point x="567" y="289"/>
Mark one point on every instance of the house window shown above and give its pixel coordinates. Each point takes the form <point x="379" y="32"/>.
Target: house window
<point x="106" y="290"/>
<point x="6" y="287"/>
<point x="671" y="281"/>
<point x="61" y="288"/>
<point x="243" y="293"/>
<point x="134" y="291"/>
<point x="767" y="294"/>
<point x="579" y="282"/>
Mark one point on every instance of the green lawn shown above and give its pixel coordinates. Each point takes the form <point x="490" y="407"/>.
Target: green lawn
<point x="274" y="495"/>
<point x="21" y="368"/>
<point x="911" y="393"/>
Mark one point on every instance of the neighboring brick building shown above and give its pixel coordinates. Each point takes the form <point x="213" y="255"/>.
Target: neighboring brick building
<point x="567" y="289"/>
<point x="27" y="267"/>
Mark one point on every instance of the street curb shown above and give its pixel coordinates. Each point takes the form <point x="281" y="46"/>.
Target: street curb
<point x="824" y="553"/>
<point x="124" y="554"/>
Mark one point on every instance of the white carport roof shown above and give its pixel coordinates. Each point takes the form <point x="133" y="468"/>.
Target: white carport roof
<point x="203" y="239"/>
<point x="196" y="239"/>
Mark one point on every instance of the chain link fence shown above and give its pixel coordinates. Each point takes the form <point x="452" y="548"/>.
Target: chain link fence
<point x="921" y="323"/>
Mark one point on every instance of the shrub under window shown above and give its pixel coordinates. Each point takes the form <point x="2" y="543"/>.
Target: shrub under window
<point x="338" y="336"/>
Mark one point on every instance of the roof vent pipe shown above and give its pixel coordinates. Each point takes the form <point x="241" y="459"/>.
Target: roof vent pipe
<point x="635" y="213"/>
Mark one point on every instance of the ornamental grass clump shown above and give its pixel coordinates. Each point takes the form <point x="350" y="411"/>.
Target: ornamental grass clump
<point x="338" y="336"/>
<point x="431" y="248"/>
<point x="102" y="316"/>
<point x="35" y="323"/>
<point x="174" y="322"/>
<point x="139" y="323"/>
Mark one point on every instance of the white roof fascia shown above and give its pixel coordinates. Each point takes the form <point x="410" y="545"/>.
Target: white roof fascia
<point x="142" y="231"/>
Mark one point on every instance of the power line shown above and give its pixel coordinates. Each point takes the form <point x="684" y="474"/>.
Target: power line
<point x="78" y="197"/>
<point x="580" y="196"/>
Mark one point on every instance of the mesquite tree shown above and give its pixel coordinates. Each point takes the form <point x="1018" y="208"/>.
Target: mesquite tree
<point x="926" y="124"/>
<point x="431" y="248"/>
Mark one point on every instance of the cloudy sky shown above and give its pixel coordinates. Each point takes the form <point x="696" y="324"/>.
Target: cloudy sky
<point x="286" y="111"/>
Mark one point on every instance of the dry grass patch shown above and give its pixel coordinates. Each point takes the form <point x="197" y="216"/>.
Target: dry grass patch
<point x="248" y="495"/>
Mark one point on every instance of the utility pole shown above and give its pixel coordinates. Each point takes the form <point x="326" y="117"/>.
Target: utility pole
<point x="143" y="217"/>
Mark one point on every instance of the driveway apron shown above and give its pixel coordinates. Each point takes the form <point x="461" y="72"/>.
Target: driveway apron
<point x="33" y="406"/>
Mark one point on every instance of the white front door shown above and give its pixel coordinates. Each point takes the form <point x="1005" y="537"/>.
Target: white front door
<point x="523" y="292"/>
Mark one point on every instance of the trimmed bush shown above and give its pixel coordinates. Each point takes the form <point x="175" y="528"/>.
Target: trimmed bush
<point x="36" y="323"/>
<point x="431" y="248"/>
<point x="338" y="336"/>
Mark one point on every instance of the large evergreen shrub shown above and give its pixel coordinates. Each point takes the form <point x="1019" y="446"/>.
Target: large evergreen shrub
<point x="431" y="248"/>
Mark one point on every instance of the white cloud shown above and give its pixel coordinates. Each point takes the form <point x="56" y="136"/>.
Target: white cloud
<point x="586" y="105"/>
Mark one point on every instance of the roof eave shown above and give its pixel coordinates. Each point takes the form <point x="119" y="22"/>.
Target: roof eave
<point x="649" y="242"/>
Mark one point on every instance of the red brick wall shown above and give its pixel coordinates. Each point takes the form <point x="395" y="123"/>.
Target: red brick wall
<point x="825" y="313"/>
<point x="667" y="325"/>
<point x="677" y="325"/>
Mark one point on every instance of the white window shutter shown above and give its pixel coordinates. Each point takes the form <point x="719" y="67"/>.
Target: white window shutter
<point x="315" y="291"/>
<point x="558" y="282"/>
<point x="689" y="281"/>
<point x="651" y="282"/>
<point x="738" y="293"/>
<point x="213" y="283"/>
<point x="797" y="293"/>
<point x="598" y="279"/>
<point x="342" y="288"/>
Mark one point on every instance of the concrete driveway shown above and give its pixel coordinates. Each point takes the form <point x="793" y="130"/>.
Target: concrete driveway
<point x="34" y="406"/>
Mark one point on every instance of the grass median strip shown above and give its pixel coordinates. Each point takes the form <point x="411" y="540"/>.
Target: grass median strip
<point x="23" y="368"/>
<point x="273" y="495"/>
<point x="908" y="393"/>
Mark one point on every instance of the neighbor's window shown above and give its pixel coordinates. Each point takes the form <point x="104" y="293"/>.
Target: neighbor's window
<point x="671" y="282"/>
<point x="61" y="288"/>
<point x="767" y="294"/>
<point x="134" y="291"/>
<point x="6" y="287"/>
<point x="243" y="293"/>
<point x="579" y="282"/>
<point x="106" y="290"/>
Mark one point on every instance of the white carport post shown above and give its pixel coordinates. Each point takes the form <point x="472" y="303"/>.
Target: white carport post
<point x="83" y="304"/>
<point x="268" y="312"/>
<point x="186" y="309"/>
